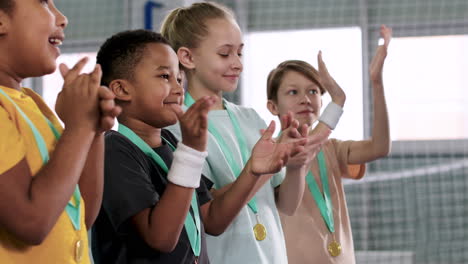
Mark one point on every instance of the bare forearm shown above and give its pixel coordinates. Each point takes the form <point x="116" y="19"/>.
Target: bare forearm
<point x="291" y="190"/>
<point x="91" y="180"/>
<point x="51" y="189"/>
<point x="162" y="226"/>
<point x="381" y="129"/>
<point x="228" y="201"/>
<point x="378" y="145"/>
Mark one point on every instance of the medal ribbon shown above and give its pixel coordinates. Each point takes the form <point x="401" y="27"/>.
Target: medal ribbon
<point x="245" y="153"/>
<point x="73" y="210"/>
<point x="324" y="202"/>
<point x="192" y="224"/>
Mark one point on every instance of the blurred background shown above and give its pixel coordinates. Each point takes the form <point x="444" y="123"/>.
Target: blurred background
<point x="412" y="206"/>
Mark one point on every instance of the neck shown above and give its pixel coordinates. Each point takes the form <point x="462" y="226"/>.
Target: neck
<point x="151" y="135"/>
<point x="197" y="91"/>
<point x="9" y="80"/>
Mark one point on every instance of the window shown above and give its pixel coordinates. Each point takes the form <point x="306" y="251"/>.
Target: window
<point x="426" y="85"/>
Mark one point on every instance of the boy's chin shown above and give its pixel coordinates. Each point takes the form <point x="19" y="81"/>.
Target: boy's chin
<point x="306" y="121"/>
<point x="44" y="70"/>
<point x="168" y="121"/>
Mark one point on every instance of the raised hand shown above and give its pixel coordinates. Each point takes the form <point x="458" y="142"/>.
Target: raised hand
<point x="77" y="103"/>
<point x="291" y="132"/>
<point x="269" y="156"/>
<point x="290" y="128"/>
<point x="311" y="148"/>
<point x="329" y="84"/>
<point x="194" y="123"/>
<point x="109" y="111"/>
<point x="380" y="55"/>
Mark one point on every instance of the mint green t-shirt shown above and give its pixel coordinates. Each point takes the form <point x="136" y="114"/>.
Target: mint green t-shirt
<point x="238" y="244"/>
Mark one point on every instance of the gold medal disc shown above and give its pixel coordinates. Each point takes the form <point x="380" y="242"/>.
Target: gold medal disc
<point x="334" y="248"/>
<point x="260" y="232"/>
<point x="79" y="249"/>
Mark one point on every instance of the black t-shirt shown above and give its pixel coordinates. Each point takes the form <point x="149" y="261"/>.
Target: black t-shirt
<point x="132" y="183"/>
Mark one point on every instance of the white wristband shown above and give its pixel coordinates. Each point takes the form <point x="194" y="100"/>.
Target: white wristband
<point x="331" y="115"/>
<point x="186" y="166"/>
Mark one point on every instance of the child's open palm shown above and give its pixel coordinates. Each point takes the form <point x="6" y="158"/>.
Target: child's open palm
<point x="329" y="84"/>
<point x="377" y="63"/>
<point x="77" y="103"/>
<point x="269" y="156"/>
<point x="107" y="110"/>
<point x="194" y="123"/>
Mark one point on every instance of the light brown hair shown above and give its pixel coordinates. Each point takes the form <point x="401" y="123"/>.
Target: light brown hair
<point x="275" y="77"/>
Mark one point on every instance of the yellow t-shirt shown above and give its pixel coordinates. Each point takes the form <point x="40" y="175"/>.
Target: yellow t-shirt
<point x="16" y="142"/>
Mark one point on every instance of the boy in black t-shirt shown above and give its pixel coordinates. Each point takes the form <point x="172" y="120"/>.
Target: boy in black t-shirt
<point x="151" y="214"/>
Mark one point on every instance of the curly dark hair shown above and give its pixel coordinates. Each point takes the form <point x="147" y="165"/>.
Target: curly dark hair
<point x="120" y="54"/>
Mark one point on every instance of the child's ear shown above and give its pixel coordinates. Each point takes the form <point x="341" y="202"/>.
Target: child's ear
<point x="185" y="57"/>
<point x="272" y="107"/>
<point x="4" y="22"/>
<point x="121" y="90"/>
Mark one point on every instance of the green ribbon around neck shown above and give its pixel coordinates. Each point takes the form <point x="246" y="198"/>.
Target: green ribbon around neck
<point x="192" y="224"/>
<point x="245" y="153"/>
<point x="324" y="202"/>
<point x="72" y="209"/>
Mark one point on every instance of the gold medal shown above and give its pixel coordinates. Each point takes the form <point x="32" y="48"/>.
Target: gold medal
<point x="334" y="248"/>
<point x="260" y="232"/>
<point x="79" y="249"/>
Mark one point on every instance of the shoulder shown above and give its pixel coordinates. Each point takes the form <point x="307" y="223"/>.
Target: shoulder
<point x="243" y="111"/>
<point x="115" y="141"/>
<point x="239" y="108"/>
<point x="169" y="136"/>
<point x="174" y="130"/>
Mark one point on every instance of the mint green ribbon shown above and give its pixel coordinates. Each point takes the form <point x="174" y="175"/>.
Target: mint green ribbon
<point x="73" y="210"/>
<point x="324" y="202"/>
<point x="192" y="226"/>
<point x="245" y="153"/>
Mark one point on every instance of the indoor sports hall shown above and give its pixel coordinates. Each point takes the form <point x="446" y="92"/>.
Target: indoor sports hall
<point x="412" y="206"/>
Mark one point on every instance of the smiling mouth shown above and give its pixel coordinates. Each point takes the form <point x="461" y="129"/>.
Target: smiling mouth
<point x="56" y="41"/>
<point x="305" y="112"/>
<point x="172" y="104"/>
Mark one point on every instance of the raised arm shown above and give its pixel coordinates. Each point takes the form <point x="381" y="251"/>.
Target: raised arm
<point x="378" y="145"/>
<point x="161" y="225"/>
<point x="268" y="157"/>
<point x="289" y="194"/>
<point x="337" y="94"/>
<point x="91" y="180"/>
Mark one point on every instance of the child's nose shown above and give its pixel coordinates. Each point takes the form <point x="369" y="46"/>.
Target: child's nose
<point x="177" y="88"/>
<point x="237" y="63"/>
<point x="61" y="19"/>
<point x="305" y="99"/>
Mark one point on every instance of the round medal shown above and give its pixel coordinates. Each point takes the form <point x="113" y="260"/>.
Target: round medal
<point x="260" y="232"/>
<point x="334" y="248"/>
<point x="79" y="249"/>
